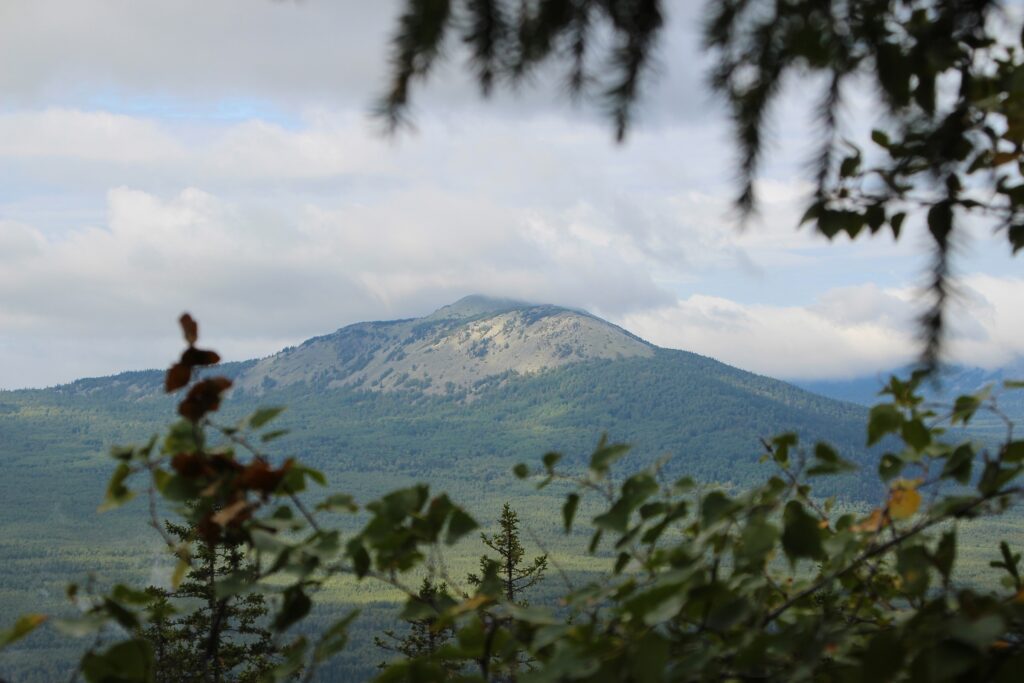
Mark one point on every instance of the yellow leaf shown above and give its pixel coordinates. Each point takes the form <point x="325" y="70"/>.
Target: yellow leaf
<point x="904" y="500"/>
<point x="873" y="523"/>
<point x="469" y="605"/>
<point x="22" y="627"/>
<point x="184" y="562"/>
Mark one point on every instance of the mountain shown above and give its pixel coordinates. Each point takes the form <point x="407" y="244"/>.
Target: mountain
<point x="455" y="398"/>
<point x="455" y="349"/>
<point x="478" y="381"/>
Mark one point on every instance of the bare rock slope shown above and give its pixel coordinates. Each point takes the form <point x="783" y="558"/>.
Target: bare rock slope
<point x="463" y="346"/>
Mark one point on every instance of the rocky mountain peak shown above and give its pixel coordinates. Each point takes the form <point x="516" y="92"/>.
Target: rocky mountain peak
<point x="474" y="306"/>
<point x="462" y="347"/>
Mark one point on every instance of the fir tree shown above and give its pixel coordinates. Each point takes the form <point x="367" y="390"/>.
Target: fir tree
<point x="515" y="574"/>
<point x="221" y="640"/>
<point x="424" y="638"/>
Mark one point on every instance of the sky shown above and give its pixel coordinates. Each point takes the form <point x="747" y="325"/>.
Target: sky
<point x="219" y="158"/>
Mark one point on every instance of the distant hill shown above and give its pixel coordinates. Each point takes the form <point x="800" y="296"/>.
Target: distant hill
<point x="953" y="381"/>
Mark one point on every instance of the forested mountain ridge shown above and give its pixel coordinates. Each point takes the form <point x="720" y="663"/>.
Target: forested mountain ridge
<point x="478" y="383"/>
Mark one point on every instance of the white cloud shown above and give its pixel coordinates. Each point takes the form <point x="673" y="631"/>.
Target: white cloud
<point x="102" y="299"/>
<point x="847" y="332"/>
<point x="306" y="219"/>
<point x="85" y="136"/>
<point x="261" y="280"/>
<point x="281" y="55"/>
<point x="988" y="321"/>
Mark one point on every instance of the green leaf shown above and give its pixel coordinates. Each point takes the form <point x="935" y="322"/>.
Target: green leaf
<point x="650" y="661"/>
<point x="83" y="625"/>
<point x="959" y="463"/>
<point x="658" y="604"/>
<point x="295" y="605"/>
<point x="880" y="138"/>
<point x="940" y="221"/>
<point x="24" y="625"/>
<point x="124" y="453"/>
<point x="827" y="461"/>
<point x="276" y="434"/>
<point x="315" y="475"/>
<point x="1014" y="451"/>
<point x="913" y="563"/>
<point x="683" y="485"/>
<point x="572" y="502"/>
<point x="964" y="408"/>
<point x="595" y="540"/>
<point x="916" y="435"/>
<point x="360" y="558"/>
<point x="131" y="660"/>
<point x="117" y="493"/>
<point x="884" y="418"/>
<point x="889" y="466"/>
<point x="621" y="561"/>
<point x="264" y="415"/>
<point x="1015" y="233"/>
<point x="801" y="536"/>
<point x="756" y="541"/>
<point x="883" y="658"/>
<point x="875" y="217"/>
<point x="896" y="223"/>
<point x="813" y="213"/>
<point x="714" y="507"/>
<point x="550" y="460"/>
<point x="781" y="445"/>
<point x="606" y="454"/>
<point x="616" y="519"/>
<point x="130" y="596"/>
<point x="338" y="501"/>
<point x="181" y="438"/>
<point x="945" y="554"/>
<point x="980" y="632"/>
<point x="522" y="471"/>
<point x="459" y="524"/>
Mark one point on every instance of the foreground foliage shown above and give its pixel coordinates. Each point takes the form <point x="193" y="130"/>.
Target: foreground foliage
<point x="707" y="584"/>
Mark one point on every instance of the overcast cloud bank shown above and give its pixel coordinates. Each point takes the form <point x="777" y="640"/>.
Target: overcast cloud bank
<point x="218" y="158"/>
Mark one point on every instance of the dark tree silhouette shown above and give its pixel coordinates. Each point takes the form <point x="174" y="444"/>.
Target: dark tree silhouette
<point x="222" y="638"/>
